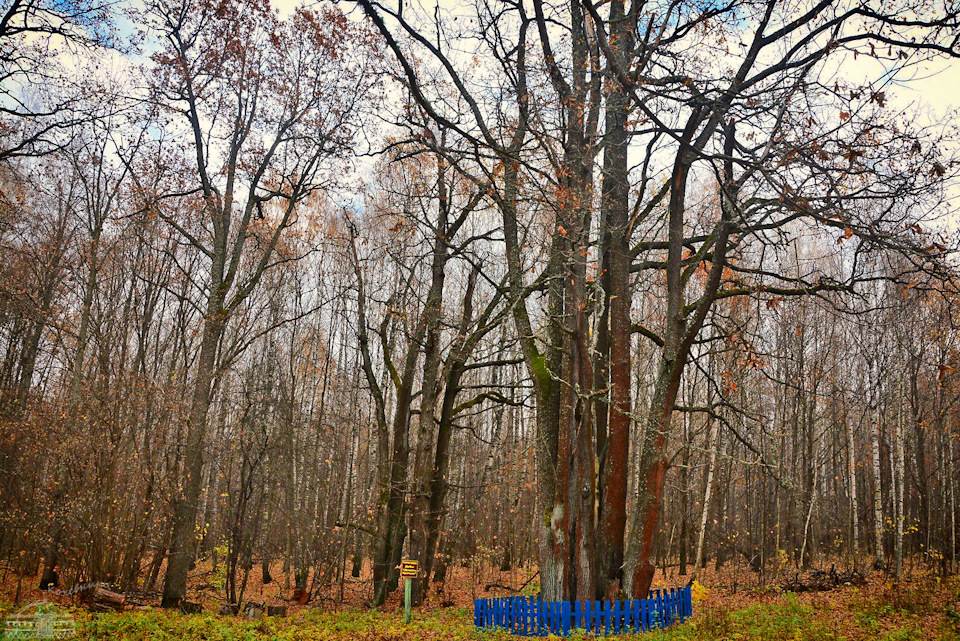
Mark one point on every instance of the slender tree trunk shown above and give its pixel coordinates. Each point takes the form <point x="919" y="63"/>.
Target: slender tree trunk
<point x="426" y="431"/>
<point x="880" y="560"/>
<point x="187" y="501"/>
<point x="707" y="494"/>
<point x="952" y="513"/>
<point x="806" y="523"/>
<point x="441" y="464"/>
<point x="899" y="482"/>
<point x="681" y="331"/>
<point x="854" y="516"/>
<point x="922" y="479"/>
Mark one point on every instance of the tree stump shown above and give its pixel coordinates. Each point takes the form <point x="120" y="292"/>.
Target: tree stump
<point x="253" y="610"/>
<point x="229" y="609"/>
<point x="188" y="607"/>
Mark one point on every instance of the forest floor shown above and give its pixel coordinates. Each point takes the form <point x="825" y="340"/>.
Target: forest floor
<point x="733" y="606"/>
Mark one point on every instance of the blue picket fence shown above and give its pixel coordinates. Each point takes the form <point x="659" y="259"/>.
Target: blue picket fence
<point x="532" y="616"/>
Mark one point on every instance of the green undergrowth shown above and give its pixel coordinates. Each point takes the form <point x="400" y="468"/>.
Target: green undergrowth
<point x="914" y="614"/>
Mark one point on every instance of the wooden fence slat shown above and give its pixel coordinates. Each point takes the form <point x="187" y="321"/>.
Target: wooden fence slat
<point x="668" y="607"/>
<point x="525" y="615"/>
<point x="530" y="620"/>
<point x="517" y="615"/>
<point x="519" y="622"/>
<point x="539" y="614"/>
<point x="654" y="614"/>
<point x="532" y="616"/>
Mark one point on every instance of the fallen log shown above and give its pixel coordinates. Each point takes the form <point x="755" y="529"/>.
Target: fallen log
<point x="141" y="598"/>
<point x="820" y="581"/>
<point x="490" y="586"/>
<point x="105" y="600"/>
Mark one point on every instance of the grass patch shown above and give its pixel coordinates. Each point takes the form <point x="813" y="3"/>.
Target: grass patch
<point x="786" y="620"/>
<point x="333" y="626"/>
<point x="913" y="612"/>
<point x="926" y="609"/>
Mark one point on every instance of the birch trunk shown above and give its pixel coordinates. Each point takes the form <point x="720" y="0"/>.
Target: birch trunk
<point x="711" y="468"/>
<point x="951" y="488"/>
<point x="898" y="477"/>
<point x="880" y="559"/>
<point x="855" y="521"/>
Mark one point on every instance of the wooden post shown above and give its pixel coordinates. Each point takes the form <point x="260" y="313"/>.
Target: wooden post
<point x="409" y="569"/>
<point x="407" y="592"/>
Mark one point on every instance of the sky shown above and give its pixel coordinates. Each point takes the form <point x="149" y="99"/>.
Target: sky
<point x="938" y="86"/>
<point x="929" y="93"/>
<point x="935" y="89"/>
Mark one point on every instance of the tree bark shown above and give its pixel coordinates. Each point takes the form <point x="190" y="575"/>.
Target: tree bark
<point x="879" y="558"/>
<point x="699" y="560"/>
<point x="854" y="515"/>
<point x="618" y="296"/>
<point x="187" y="502"/>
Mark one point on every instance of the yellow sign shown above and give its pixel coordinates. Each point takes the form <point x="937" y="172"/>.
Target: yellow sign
<point x="409" y="568"/>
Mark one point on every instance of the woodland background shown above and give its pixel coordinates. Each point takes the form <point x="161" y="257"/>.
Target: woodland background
<point x="581" y="290"/>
